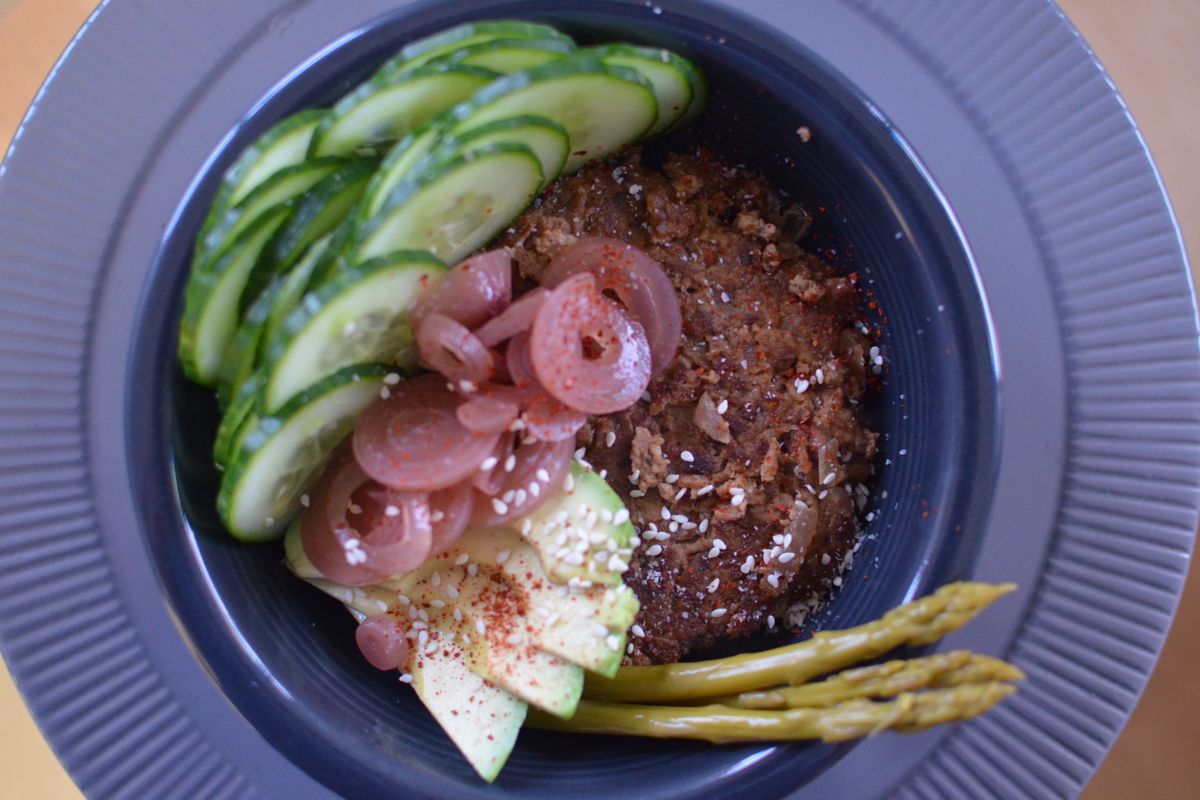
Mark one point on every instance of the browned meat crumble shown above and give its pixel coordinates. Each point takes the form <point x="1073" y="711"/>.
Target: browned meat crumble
<point x="743" y="464"/>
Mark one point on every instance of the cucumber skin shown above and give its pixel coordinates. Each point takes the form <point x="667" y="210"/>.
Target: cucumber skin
<point x="270" y="425"/>
<point x="294" y="239"/>
<point x="447" y="41"/>
<point x="202" y="283"/>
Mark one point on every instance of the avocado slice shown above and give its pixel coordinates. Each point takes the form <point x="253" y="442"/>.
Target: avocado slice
<point x="582" y="533"/>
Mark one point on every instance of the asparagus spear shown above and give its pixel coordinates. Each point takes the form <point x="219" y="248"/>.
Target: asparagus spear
<point x="920" y="622"/>
<point x="907" y="713"/>
<point x="940" y="671"/>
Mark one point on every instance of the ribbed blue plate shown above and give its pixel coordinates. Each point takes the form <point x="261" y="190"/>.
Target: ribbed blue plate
<point x="1095" y="502"/>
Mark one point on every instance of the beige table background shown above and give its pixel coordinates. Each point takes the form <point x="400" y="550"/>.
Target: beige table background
<point x="1154" y="57"/>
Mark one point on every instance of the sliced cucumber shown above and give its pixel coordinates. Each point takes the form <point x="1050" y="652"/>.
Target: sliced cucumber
<point x="399" y="164"/>
<point x="295" y="284"/>
<point x="511" y="55"/>
<point x="449" y="41"/>
<point x="451" y="208"/>
<point x="602" y="107"/>
<point x="213" y="298"/>
<point x="236" y="413"/>
<point x="546" y="138"/>
<point x="387" y="106"/>
<point x="286" y="184"/>
<point x="241" y="357"/>
<point x="260" y="492"/>
<point x="333" y="260"/>
<point x="360" y="315"/>
<point x="669" y="74"/>
<point x="321" y="209"/>
<point x="699" y="94"/>
<point x="282" y="146"/>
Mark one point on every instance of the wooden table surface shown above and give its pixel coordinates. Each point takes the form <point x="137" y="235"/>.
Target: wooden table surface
<point x="1153" y="57"/>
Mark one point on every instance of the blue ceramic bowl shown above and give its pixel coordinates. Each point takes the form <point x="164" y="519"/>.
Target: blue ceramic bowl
<point x="285" y="655"/>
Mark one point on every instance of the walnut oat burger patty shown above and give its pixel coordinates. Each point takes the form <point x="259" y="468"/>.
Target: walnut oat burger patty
<point x="742" y="464"/>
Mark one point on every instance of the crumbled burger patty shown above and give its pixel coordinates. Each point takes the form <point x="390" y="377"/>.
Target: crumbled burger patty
<point x="742" y="468"/>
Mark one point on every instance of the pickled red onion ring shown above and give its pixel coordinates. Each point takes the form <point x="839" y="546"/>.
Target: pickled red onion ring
<point x="576" y="312"/>
<point x="513" y="320"/>
<point x="638" y="281"/>
<point x="472" y="292"/>
<point x="382" y="642"/>
<point x="548" y="420"/>
<point x="488" y="412"/>
<point x="360" y="532"/>
<point x="450" y="511"/>
<point x="538" y="470"/>
<point x="518" y="362"/>
<point x="488" y="481"/>
<point x="413" y="440"/>
<point x="446" y="346"/>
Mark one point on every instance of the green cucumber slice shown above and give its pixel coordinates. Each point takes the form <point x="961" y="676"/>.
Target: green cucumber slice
<point x="511" y="55"/>
<point x="448" y="41"/>
<point x="241" y="357"/>
<point x="451" y="208"/>
<point x="669" y="75"/>
<point x="389" y="105"/>
<point x="547" y="139"/>
<point x="699" y="94"/>
<point x="360" y="315"/>
<point x="286" y="184"/>
<point x="260" y="492"/>
<point x="295" y="284"/>
<point x="399" y="163"/>
<point x="603" y="107"/>
<point x="321" y="209"/>
<point x="236" y="413"/>
<point x="213" y="298"/>
<point x="283" y="145"/>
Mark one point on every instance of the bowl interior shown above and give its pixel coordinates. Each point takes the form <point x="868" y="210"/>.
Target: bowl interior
<point x="285" y="655"/>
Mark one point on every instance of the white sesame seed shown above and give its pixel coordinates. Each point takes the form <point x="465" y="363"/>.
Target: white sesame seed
<point x="704" y="490"/>
<point x="423" y="638"/>
<point x="513" y="638"/>
<point x="712" y="586"/>
<point x="903" y="452"/>
<point x="718" y="612"/>
<point x="384" y="393"/>
<point x="437" y="603"/>
<point x="646" y="397"/>
<point x="673" y="527"/>
<point x="724" y="297"/>
<point x="870" y="516"/>
<point x="748" y="565"/>
<point x="406" y="678"/>
<point x="820" y="375"/>
<point x="467" y="386"/>
<point x="737" y="499"/>
<point x="304" y="500"/>
<point x="837" y="581"/>
<point x="520" y="497"/>
<point x="654" y="550"/>
<point x="392" y="378"/>
<point x="451" y="591"/>
<point x="704" y="526"/>
<point x="613" y="641"/>
<point x="666" y="514"/>
<point x="488" y="464"/>
<point x="502" y="556"/>
<point x="637" y="493"/>
<point x="606" y="516"/>
<point x="466" y="638"/>
<point x="773" y="579"/>
<point x="437" y="516"/>
<point x="615" y="564"/>
<point x="610" y="439"/>
<point x="826" y="559"/>
<point x="687" y="456"/>
<point x="638" y="631"/>
<point x="770" y="620"/>
<point x="480" y="627"/>
<point x="574" y="559"/>
<point x="499" y="506"/>
<point x="462" y="559"/>
<point x="786" y="557"/>
<point x="579" y="452"/>
<point x="510" y="463"/>
<point x="681" y="518"/>
<point x="458" y="615"/>
<point x="621" y="517"/>
<point x="719" y="543"/>
<point x="824" y="493"/>
<point x="722" y="406"/>
<point x="679" y="495"/>
<point x="403" y="598"/>
<point x="633" y="476"/>
<point x="801" y="385"/>
<point x="569" y="483"/>
<point x="828" y="479"/>
<point x="713" y="553"/>
<point x="672" y="478"/>
<point x="736" y="490"/>
<point x="599" y="629"/>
